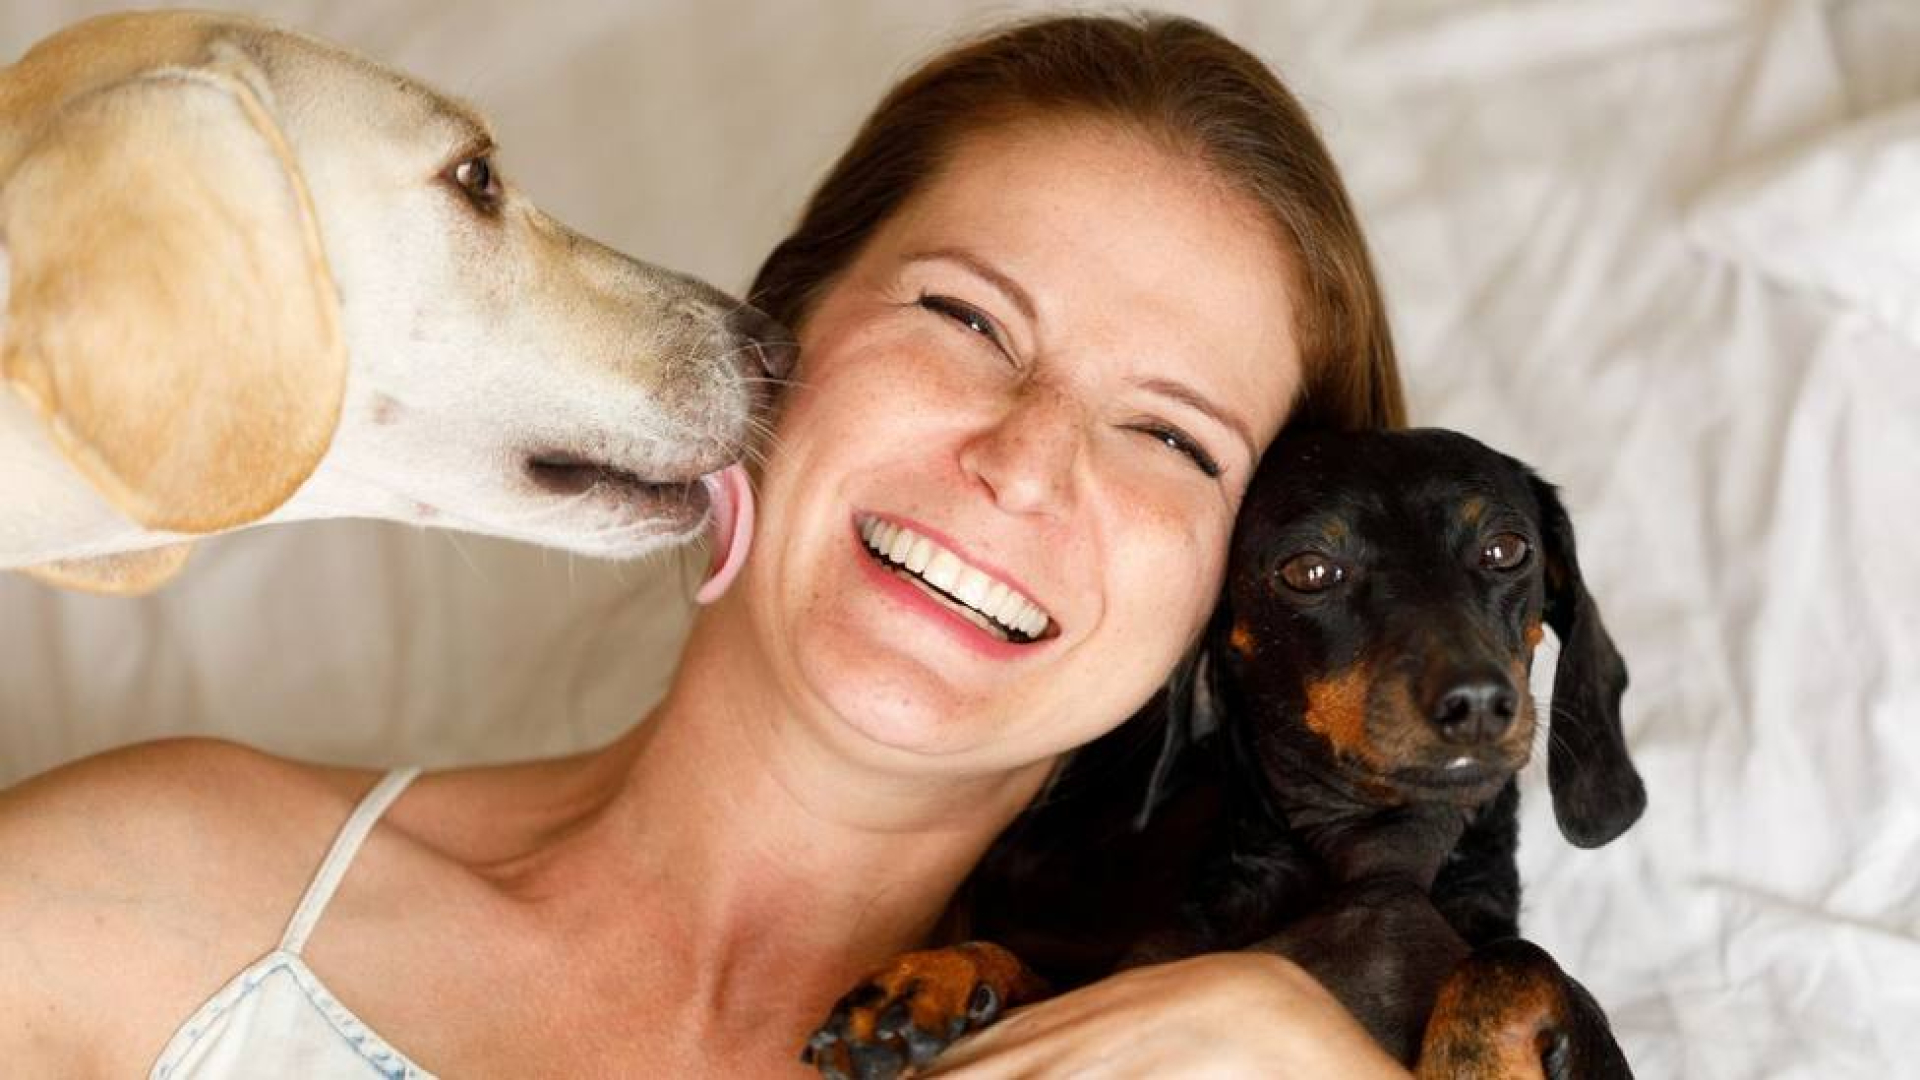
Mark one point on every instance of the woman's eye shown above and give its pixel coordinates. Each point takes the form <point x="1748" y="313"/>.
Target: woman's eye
<point x="1507" y="551"/>
<point x="966" y="315"/>
<point x="1311" y="572"/>
<point x="475" y="178"/>
<point x="1175" y="440"/>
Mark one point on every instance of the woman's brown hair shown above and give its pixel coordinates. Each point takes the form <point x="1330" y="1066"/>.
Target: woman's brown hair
<point x="1174" y="78"/>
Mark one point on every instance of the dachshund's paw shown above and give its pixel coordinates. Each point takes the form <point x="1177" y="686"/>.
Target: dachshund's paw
<point x="1509" y="1012"/>
<point x="901" y="1017"/>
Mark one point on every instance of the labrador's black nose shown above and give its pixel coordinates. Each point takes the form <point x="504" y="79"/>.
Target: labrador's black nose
<point x="1476" y="707"/>
<point x="771" y="342"/>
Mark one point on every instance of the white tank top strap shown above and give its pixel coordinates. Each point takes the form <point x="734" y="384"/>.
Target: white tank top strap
<point x="339" y="857"/>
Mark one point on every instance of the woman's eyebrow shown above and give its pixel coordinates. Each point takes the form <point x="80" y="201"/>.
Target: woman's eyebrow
<point x="985" y="270"/>
<point x="1168" y="388"/>
<point x="1193" y="399"/>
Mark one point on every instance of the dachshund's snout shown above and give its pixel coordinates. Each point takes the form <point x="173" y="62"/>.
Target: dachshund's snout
<point x="1475" y="706"/>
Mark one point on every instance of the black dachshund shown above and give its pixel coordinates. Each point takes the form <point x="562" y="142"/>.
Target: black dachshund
<point x="1335" y="785"/>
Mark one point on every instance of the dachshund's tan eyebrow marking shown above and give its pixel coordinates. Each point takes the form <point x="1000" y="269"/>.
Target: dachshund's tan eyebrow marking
<point x="1242" y="640"/>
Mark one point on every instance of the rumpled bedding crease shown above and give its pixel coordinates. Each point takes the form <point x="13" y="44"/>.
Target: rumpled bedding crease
<point x="1741" y="454"/>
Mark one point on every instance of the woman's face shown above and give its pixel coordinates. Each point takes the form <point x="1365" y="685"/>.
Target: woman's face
<point x="1042" y="386"/>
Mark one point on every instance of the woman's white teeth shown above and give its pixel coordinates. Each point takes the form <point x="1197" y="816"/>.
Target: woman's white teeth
<point x="919" y="554"/>
<point x="943" y="570"/>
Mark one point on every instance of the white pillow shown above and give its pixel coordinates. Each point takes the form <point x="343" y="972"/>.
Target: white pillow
<point x="1841" y="216"/>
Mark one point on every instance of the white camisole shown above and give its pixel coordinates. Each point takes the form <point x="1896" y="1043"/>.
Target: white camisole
<point x="276" y="1018"/>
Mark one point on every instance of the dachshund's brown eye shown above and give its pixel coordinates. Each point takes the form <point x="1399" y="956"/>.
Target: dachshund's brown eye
<point x="475" y="178"/>
<point x="1312" y="572"/>
<point x="1508" y="551"/>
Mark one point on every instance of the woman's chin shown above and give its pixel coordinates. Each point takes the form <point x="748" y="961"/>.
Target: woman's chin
<point x="902" y="708"/>
<point x="889" y="679"/>
<point x="919" y="725"/>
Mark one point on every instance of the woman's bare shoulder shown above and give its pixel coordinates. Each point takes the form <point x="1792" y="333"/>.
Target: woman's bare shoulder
<point x="180" y="803"/>
<point x="161" y="760"/>
<point x="150" y="874"/>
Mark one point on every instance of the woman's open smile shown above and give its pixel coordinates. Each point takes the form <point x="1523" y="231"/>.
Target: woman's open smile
<point x="983" y="606"/>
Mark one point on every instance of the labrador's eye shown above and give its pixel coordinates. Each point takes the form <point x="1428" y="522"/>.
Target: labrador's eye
<point x="1507" y="551"/>
<point x="475" y="179"/>
<point x="1311" y="572"/>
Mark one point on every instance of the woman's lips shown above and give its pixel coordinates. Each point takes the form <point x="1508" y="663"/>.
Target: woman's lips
<point x="912" y="596"/>
<point x="922" y="555"/>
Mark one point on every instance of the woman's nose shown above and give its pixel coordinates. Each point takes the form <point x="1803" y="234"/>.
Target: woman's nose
<point x="1026" y="458"/>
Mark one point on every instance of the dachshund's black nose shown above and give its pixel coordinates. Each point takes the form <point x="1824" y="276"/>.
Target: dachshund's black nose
<point x="1477" y="707"/>
<point x="771" y="342"/>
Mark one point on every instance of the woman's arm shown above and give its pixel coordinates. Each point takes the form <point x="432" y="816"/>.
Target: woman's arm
<point x="1219" y="1015"/>
<point x="132" y="884"/>
<point x="73" y="871"/>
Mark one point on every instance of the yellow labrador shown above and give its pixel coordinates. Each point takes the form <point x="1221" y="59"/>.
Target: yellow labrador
<point x="250" y="277"/>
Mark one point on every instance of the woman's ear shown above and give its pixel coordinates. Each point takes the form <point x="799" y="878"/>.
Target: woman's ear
<point x="1597" y="793"/>
<point x="169" y="310"/>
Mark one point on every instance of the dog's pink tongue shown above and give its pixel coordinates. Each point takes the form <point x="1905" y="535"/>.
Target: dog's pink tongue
<point x="730" y="524"/>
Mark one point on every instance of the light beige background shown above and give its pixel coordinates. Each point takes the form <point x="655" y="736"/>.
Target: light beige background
<point x="1739" y="457"/>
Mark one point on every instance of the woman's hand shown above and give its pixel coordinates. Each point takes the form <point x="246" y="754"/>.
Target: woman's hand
<point x="1232" y="1015"/>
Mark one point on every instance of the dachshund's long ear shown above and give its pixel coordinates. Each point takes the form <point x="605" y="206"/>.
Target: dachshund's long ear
<point x="1191" y="714"/>
<point x="169" y="311"/>
<point x="1597" y="793"/>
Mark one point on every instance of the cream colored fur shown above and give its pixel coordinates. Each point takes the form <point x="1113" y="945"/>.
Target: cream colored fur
<point x="241" y="284"/>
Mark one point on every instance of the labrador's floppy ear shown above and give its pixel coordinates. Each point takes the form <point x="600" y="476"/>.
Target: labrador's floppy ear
<point x="170" y="313"/>
<point x="124" y="573"/>
<point x="1597" y="793"/>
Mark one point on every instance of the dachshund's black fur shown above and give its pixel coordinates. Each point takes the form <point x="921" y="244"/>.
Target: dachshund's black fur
<point x="1327" y="825"/>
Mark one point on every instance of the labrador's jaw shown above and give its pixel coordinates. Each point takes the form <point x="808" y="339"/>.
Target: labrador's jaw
<point x="604" y="520"/>
<point x="615" y="505"/>
<point x="595" y="490"/>
<point x="588" y="463"/>
<point x="624" y="520"/>
<point x="580" y="502"/>
<point x="592" y="505"/>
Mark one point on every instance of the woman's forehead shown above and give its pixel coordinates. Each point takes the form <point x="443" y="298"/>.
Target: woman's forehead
<point x="1121" y="245"/>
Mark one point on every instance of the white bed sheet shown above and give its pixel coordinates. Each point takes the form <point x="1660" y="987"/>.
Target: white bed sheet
<point x="1741" y="459"/>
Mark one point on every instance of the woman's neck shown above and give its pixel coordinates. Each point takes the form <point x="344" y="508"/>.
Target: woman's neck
<point x="784" y="857"/>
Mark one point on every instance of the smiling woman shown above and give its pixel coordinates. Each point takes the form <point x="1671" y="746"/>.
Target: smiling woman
<point x="1052" y="305"/>
<point x="1053" y="400"/>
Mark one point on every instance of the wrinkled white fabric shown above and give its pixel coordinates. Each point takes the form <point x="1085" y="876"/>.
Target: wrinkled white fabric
<point x="1840" y="216"/>
<point x="1740" y="456"/>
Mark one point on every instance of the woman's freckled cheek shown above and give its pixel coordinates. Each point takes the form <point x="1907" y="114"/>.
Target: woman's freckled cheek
<point x="1171" y="543"/>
